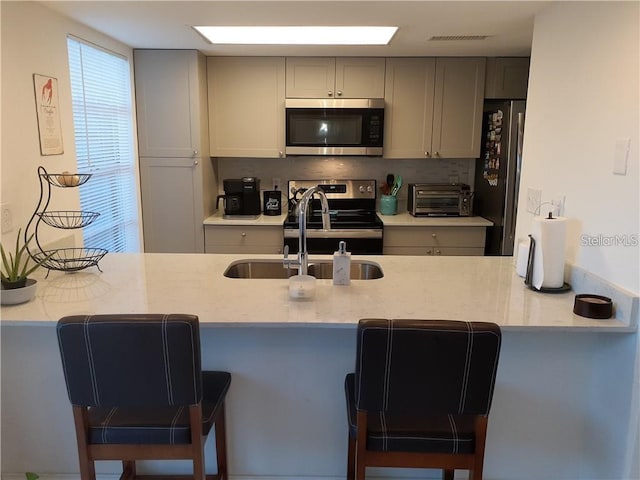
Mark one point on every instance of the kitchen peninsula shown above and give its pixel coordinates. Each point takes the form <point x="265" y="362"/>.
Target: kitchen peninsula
<point x="288" y="358"/>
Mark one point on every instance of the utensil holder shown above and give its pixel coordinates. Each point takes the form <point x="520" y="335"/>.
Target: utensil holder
<point x="388" y="205"/>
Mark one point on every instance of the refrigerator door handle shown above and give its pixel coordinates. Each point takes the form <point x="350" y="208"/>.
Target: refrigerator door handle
<point x="519" y="143"/>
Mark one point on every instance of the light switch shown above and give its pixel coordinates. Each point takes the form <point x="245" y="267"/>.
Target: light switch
<point x="620" y="156"/>
<point x="7" y="217"/>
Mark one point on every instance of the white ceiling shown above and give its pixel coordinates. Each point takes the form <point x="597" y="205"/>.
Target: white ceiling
<point x="167" y="24"/>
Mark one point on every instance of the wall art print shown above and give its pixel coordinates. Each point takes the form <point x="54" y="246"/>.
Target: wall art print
<point x="47" y="107"/>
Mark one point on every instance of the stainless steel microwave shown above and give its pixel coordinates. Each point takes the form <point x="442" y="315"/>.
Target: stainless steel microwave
<point x="332" y="126"/>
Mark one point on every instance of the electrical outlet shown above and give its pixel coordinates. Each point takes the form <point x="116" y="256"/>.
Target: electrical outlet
<point x="6" y="214"/>
<point x="558" y="205"/>
<point x="276" y="183"/>
<point x="534" y="198"/>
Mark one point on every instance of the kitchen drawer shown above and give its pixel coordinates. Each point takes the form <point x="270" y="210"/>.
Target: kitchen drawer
<point x="435" y="251"/>
<point x="434" y="237"/>
<point x="243" y="239"/>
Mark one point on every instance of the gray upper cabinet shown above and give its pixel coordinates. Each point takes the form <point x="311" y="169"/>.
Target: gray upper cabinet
<point x="457" y="107"/>
<point x="408" y="115"/>
<point x="168" y="93"/>
<point x="177" y="180"/>
<point x="328" y="77"/>
<point x="433" y="107"/>
<point x="246" y="106"/>
<point x="507" y="78"/>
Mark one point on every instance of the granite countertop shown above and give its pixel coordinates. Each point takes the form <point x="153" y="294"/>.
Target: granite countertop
<point x="405" y="219"/>
<point x="262" y="220"/>
<point x="402" y="219"/>
<point x="463" y="288"/>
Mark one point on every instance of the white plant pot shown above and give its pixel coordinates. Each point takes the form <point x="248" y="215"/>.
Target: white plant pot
<point x="15" y="296"/>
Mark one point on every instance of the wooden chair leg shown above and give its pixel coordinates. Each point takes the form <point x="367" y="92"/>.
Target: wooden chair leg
<point x="198" y="464"/>
<point x="81" y="421"/>
<point x="221" y="443"/>
<point x="481" y="438"/>
<point x="351" y="458"/>
<point x="447" y="474"/>
<point x="87" y="469"/>
<point x="128" y="470"/>
<point x="475" y="474"/>
<point x="197" y="442"/>
<point x="361" y="444"/>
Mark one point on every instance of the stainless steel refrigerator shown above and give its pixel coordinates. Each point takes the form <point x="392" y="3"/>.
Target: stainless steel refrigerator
<point x="497" y="172"/>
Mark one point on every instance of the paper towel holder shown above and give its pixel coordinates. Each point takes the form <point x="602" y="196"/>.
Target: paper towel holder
<point x="528" y="279"/>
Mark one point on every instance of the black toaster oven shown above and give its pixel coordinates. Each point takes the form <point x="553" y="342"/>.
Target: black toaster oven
<point x="439" y="200"/>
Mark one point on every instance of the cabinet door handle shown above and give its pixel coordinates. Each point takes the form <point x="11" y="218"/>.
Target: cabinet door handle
<point x="195" y="153"/>
<point x="281" y="154"/>
<point x="330" y="93"/>
<point x="433" y="235"/>
<point x="427" y="154"/>
<point x="243" y="234"/>
<point x="195" y="162"/>
<point x="339" y="93"/>
<point x="429" y="252"/>
<point x="438" y="252"/>
<point x="436" y="154"/>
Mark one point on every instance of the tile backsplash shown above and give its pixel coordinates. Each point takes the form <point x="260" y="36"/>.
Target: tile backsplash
<point x="412" y="170"/>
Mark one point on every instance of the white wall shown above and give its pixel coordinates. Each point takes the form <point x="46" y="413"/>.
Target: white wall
<point x="583" y="97"/>
<point x="34" y="40"/>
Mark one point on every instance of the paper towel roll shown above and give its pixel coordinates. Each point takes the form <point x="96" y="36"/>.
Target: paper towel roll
<point x="522" y="258"/>
<point x="549" y="253"/>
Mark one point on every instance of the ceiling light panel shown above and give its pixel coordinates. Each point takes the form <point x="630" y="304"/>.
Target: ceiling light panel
<point x="308" y="35"/>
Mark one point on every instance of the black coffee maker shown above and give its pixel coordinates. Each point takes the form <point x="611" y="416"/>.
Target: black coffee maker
<point x="241" y="197"/>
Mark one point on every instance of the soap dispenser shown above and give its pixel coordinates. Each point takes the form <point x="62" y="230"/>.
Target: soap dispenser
<point x="342" y="265"/>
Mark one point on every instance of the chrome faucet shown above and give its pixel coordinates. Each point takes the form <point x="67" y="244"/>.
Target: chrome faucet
<point x="302" y="262"/>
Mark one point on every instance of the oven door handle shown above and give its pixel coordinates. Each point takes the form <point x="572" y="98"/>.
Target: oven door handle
<point x="336" y="233"/>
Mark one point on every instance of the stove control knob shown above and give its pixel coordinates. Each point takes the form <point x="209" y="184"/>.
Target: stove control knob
<point x="369" y="189"/>
<point x="361" y="189"/>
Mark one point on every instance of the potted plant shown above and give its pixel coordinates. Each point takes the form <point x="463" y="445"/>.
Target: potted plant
<point x="16" y="286"/>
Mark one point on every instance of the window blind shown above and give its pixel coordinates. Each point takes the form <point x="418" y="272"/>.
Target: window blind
<point x="102" y="116"/>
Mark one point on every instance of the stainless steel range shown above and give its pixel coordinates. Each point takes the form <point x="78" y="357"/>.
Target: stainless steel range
<point x="352" y="210"/>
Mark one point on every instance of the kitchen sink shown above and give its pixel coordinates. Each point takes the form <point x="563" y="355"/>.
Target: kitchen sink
<point x="321" y="269"/>
<point x="360" y="270"/>
<point x="258" y="269"/>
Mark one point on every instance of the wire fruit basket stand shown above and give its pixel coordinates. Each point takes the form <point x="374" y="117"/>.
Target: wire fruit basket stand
<point x="62" y="259"/>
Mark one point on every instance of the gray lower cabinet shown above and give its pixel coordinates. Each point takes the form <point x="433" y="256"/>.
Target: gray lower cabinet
<point x="434" y="241"/>
<point x="243" y="239"/>
<point x="171" y="192"/>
